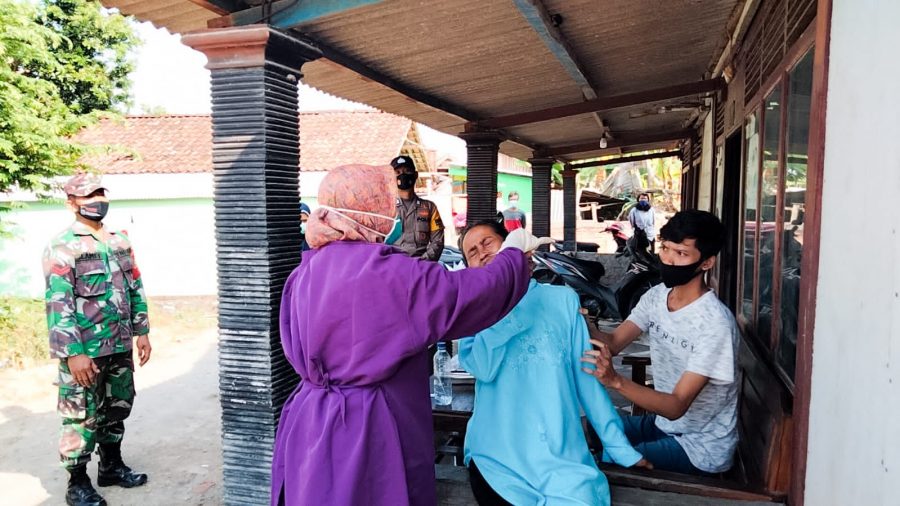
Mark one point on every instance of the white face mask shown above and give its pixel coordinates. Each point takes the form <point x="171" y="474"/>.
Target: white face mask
<point x="389" y="238"/>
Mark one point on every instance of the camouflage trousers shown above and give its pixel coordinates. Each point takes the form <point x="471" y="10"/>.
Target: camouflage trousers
<point x="95" y="414"/>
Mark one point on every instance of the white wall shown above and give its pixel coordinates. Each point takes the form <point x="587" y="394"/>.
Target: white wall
<point x="169" y="218"/>
<point x="174" y="244"/>
<point x="309" y="185"/>
<point x="854" y="431"/>
<point x="138" y="187"/>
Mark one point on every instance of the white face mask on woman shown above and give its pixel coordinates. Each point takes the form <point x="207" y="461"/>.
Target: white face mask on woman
<point x="391" y="237"/>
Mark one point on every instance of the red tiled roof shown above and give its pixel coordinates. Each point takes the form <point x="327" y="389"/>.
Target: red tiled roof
<point x="183" y="143"/>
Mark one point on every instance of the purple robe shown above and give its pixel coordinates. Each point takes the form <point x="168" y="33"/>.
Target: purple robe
<point x="356" y="320"/>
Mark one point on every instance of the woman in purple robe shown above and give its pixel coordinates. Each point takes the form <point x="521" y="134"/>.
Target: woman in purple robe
<point x="357" y="317"/>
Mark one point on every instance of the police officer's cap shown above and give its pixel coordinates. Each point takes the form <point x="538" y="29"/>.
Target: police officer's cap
<point x="403" y="161"/>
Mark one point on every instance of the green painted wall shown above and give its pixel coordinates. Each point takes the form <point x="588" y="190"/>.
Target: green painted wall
<point x="505" y="183"/>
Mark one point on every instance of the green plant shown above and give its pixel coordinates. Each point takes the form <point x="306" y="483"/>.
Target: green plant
<point x="23" y="332"/>
<point x="63" y="65"/>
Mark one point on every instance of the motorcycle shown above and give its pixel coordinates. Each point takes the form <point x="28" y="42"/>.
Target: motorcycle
<point x="643" y="273"/>
<point x="584" y="276"/>
<point x="619" y="236"/>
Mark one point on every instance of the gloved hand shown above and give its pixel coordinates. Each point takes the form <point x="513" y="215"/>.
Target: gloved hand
<point x="523" y="240"/>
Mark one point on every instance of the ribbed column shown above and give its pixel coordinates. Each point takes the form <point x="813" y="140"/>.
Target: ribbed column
<point x="255" y="167"/>
<point x="570" y="207"/>
<point x="540" y="196"/>
<point x="481" y="174"/>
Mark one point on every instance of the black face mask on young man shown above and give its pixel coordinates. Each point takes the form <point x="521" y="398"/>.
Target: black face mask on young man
<point x="677" y="275"/>
<point x="95" y="211"/>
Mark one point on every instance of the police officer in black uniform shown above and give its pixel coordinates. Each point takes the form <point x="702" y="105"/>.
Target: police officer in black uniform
<point x="423" y="231"/>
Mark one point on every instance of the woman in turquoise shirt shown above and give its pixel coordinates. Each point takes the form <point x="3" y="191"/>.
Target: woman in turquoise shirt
<point x="525" y="443"/>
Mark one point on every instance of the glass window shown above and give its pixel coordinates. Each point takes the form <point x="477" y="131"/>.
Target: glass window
<point x="798" y="111"/>
<point x="767" y="211"/>
<point x="751" y="201"/>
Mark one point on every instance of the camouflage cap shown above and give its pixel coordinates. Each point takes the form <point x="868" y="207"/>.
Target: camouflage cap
<point x="83" y="185"/>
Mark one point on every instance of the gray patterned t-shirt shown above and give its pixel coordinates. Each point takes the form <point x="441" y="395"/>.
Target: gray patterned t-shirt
<point x="702" y="338"/>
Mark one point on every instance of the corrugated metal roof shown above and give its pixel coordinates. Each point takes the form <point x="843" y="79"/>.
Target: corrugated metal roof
<point x="177" y="16"/>
<point x="485" y="57"/>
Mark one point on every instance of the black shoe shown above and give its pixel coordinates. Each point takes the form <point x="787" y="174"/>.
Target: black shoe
<point x="112" y="471"/>
<point x="80" y="492"/>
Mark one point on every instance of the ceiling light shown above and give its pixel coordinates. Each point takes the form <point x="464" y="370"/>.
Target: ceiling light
<point x="603" y="143"/>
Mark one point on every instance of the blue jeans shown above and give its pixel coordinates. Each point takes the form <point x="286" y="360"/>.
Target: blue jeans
<point x="659" y="448"/>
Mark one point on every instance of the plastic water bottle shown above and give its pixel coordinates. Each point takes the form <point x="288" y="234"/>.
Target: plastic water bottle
<point x="441" y="386"/>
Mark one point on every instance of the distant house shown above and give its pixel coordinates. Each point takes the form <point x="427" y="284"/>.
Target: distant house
<point x="512" y="176"/>
<point x="160" y="178"/>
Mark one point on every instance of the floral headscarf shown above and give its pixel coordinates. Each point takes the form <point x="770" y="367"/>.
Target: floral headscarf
<point x="359" y="187"/>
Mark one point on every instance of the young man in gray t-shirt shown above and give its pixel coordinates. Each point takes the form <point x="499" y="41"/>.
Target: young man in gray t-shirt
<point x="691" y="425"/>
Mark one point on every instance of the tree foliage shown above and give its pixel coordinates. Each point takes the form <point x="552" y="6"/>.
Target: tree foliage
<point x="91" y="71"/>
<point x="63" y="64"/>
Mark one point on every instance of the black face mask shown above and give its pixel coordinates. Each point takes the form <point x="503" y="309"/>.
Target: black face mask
<point x="643" y="205"/>
<point x="406" y="181"/>
<point x="677" y="275"/>
<point x="95" y="211"/>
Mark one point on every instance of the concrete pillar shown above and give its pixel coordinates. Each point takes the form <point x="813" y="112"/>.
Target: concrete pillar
<point x="541" y="169"/>
<point x="256" y="146"/>
<point x="570" y="207"/>
<point x="482" y="149"/>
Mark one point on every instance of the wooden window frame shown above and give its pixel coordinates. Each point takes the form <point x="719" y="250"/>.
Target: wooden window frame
<point x="756" y="105"/>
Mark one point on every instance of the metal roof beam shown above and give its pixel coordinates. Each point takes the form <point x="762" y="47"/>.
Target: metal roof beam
<point x="620" y="141"/>
<point x="288" y="13"/>
<point x="350" y="63"/>
<point x="541" y="21"/>
<point x="250" y="16"/>
<point x="368" y="72"/>
<point x="547" y="28"/>
<point x="605" y="103"/>
<point x="625" y="159"/>
<point x="220" y="7"/>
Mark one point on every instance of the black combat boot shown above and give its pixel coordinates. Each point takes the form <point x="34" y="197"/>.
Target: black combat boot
<point x="80" y="491"/>
<point x="112" y="471"/>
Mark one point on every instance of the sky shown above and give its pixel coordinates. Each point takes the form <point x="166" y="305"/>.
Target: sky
<point x="171" y="76"/>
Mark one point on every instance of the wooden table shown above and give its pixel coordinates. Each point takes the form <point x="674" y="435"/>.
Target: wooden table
<point x="453" y="418"/>
<point x="450" y="422"/>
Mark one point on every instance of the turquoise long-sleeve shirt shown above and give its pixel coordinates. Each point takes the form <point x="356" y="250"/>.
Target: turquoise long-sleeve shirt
<point x="525" y="434"/>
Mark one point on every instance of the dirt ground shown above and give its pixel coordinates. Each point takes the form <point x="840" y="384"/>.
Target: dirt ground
<point x="173" y="433"/>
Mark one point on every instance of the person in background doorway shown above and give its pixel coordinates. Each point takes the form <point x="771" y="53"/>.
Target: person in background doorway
<point x="459" y="222"/>
<point x="96" y="312"/>
<point x="304" y="217"/>
<point x="423" y="230"/>
<point x="513" y="217"/>
<point x="642" y="218"/>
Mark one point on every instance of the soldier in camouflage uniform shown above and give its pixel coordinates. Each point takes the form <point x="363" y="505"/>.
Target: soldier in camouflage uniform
<point x="95" y="308"/>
